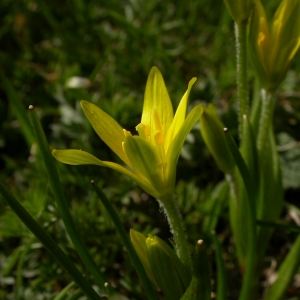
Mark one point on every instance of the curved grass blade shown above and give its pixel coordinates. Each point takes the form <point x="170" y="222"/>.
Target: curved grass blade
<point x="61" y="200"/>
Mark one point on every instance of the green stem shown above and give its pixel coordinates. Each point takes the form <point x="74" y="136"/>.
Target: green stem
<point x="249" y="276"/>
<point x="171" y="209"/>
<point x="241" y="65"/>
<point x="48" y="242"/>
<point x="265" y="121"/>
<point x="126" y="241"/>
<point x="61" y="200"/>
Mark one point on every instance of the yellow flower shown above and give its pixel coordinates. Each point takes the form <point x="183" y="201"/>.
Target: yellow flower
<point x="272" y="48"/>
<point x="151" y="156"/>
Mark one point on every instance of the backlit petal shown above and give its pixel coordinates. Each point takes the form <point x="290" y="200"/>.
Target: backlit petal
<point x="179" y="116"/>
<point x="144" y="160"/>
<point x="106" y="127"/>
<point x="176" y="144"/>
<point x="157" y="97"/>
<point x="78" y="157"/>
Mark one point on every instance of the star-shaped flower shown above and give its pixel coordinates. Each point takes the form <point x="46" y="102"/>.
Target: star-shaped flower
<point x="151" y="156"/>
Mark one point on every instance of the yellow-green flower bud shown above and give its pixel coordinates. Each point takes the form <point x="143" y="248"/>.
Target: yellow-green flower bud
<point x="211" y="129"/>
<point x="272" y="48"/>
<point x="138" y="241"/>
<point x="171" y="275"/>
<point x="240" y="10"/>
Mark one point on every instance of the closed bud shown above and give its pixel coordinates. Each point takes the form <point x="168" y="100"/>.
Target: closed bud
<point x="272" y="48"/>
<point x="212" y="131"/>
<point x="138" y="241"/>
<point x="240" y="10"/>
<point x="171" y="275"/>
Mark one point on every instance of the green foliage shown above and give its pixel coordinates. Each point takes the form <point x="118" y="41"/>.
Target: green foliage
<point x="111" y="46"/>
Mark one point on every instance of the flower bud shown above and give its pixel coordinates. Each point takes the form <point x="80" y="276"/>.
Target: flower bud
<point x="138" y="241"/>
<point x="171" y="275"/>
<point x="272" y="48"/>
<point x="211" y="129"/>
<point x="240" y="10"/>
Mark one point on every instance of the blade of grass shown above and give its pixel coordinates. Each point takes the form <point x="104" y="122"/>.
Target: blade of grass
<point x="288" y="227"/>
<point x="61" y="200"/>
<point x="48" y="242"/>
<point x="62" y="294"/>
<point x="126" y="241"/>
<point x="221" y="272"/>
<point x="286" y="273"/>
<point x="18" y="110"/>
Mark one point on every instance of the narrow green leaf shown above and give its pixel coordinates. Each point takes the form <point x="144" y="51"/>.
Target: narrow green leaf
<point x="18" y="110"/>
<point x="60" y="199"/>
<point x="200" y="286"/>
<point x="61" y="295"/>
<point x="221" y="272"/>
<point x="288" y="227"/>
<point x="286" y="273"/>
<point x="48" y="242"/>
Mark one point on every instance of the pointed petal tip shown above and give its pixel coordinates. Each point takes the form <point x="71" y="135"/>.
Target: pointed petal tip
<point x="192" y="81"/>
<point x="83" y="103"/>
<point x="154" y="70"/>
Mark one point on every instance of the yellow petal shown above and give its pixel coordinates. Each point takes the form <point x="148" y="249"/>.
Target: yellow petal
<point x="179" y="116"/>
<point x="144" y="160"/>
<point x="157" y="97"/>
<point x="176" y="144"/>
<point x="78" y="157"/>
<point x="106" y="127"/>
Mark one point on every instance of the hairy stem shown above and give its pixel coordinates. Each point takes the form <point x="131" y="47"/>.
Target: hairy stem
<point x="241" y="65"/>
<point x="171" y="209"/>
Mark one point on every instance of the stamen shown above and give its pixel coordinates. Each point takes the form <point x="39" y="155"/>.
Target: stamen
<point x="141" y="129"/>
<point x="147" y="130"/>
<point x="127" y="133"/>
<point x="159" y="137"/>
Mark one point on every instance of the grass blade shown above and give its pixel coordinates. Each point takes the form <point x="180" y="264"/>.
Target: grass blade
<point x="48" y="242"/>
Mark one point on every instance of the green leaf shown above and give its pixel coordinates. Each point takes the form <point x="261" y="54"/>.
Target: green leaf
<point x="200" y="286"/>
<point x="213" y="135"/>
<point x="287" y="270"/>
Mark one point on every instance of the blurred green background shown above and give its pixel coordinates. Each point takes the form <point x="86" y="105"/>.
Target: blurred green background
<point x="55" y="53"/>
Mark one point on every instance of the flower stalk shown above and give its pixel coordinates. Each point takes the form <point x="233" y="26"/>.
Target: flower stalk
<point x="241" y="65"/>
<point x="174" y="217"/>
